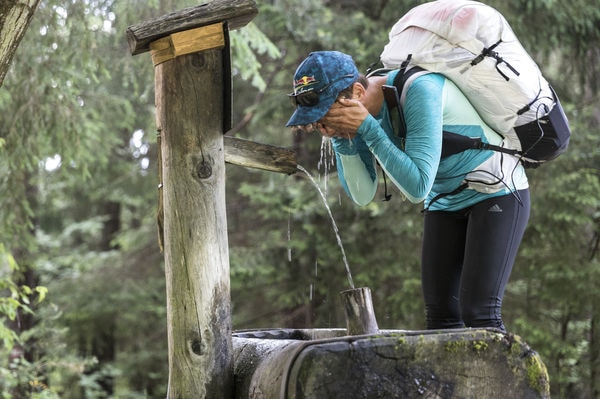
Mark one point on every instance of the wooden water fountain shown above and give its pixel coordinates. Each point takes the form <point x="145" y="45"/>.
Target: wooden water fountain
<point x="190" y="52"/>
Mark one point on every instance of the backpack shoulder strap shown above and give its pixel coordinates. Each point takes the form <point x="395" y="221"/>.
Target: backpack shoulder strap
<point x="452" y="143"/>
<point x="394" y="96"/>
<point x="405" y="76"/>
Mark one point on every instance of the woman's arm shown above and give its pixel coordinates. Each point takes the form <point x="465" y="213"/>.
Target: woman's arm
<point x="412" y="170"/>
<point x="353" y="159"/>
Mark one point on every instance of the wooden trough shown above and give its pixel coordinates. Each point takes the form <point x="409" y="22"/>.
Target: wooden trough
<point x="190" y="52"/>
<point x="465" y="364"/>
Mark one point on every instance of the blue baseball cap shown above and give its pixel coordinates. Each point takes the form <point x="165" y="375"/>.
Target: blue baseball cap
<point x="320" y="77"/>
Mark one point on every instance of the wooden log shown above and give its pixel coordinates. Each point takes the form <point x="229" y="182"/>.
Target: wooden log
<point x="360" y="315"/>
<point x="235" y="13"/>
<point x="189" y="111"/>
<point x="466" y="364"/>
<point x="259" y="156"/>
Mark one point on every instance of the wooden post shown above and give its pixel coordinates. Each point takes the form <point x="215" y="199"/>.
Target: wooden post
<point x="190" y="53"/>
<point x="195" y="226"/>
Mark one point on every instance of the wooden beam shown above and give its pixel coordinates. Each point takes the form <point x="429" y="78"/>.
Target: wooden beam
<point x="259" y="156"/>
<point x="236" y="13"/>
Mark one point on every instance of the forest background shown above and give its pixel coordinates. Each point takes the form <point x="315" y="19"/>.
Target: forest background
<point x="81" y="273"/>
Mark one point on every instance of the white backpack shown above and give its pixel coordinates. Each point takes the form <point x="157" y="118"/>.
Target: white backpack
<point x="472" y="44"/>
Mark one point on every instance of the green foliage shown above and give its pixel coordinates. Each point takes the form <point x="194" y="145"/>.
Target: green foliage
<point x="16" y="298"/>
<point x="24" y="374"/>
<point x="247" y="43"/>
<point x="16" y="301"/>
<point x="83" y="104"/>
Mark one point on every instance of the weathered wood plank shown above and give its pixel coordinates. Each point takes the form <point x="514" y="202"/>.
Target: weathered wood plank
<point x="259" y="156"/>
<point x="236" y="13"/>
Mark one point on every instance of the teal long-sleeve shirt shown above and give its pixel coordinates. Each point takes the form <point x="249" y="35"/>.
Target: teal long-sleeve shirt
<point x="432" y="104"/>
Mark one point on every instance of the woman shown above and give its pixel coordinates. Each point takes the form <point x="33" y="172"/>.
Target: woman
<point x="476" y="201"/>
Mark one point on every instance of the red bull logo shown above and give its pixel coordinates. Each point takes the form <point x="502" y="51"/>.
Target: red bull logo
<point x="304" y="81"/>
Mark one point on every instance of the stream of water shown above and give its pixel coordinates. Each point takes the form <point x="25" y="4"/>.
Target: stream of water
<point x="335" y="228"/>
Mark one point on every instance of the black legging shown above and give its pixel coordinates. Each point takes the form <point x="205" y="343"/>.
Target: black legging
<point x="467" y="258"/>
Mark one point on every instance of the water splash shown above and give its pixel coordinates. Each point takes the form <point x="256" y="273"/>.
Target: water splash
<point x="327" y="159"/>
<point x="335" y="228"/>
<point x="327" y="154"/>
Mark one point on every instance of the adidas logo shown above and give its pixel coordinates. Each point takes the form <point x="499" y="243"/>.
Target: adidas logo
<point x="495" y="208"/>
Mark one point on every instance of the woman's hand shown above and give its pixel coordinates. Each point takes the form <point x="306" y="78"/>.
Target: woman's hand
<point x="343" y="119"/>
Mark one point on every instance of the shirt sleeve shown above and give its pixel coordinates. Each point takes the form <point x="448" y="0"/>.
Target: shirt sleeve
<point x="412" y="170"/>
<point x="353" y="159"/>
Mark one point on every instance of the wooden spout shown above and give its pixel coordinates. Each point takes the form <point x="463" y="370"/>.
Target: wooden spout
<point x="360" y="316"/>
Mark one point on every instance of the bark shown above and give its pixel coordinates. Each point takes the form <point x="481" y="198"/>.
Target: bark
<point x="15" y="16"/>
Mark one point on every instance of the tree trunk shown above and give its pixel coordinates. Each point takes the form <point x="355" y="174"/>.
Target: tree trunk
<point x="189" y="100"/>
<point x="594" y="327"/>
<point x="15" y="16"/>
<point x="595" y="352"/>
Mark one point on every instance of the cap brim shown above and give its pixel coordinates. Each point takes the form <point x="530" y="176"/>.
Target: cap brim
<point x="307" y="115"/>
